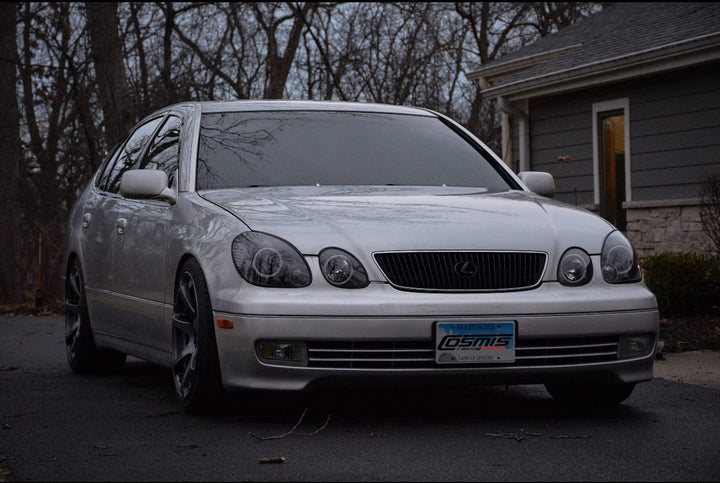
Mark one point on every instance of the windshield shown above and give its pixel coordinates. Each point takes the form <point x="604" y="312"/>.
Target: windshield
<point x="291" y="148"/>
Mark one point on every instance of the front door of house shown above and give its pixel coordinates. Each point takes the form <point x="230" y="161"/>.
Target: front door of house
<point x="612" y="167"/>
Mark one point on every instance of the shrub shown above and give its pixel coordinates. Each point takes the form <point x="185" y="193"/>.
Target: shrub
<point x="684" y="283"/>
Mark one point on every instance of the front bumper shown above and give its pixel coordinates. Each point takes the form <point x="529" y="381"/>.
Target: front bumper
<point x="382" y="314"/>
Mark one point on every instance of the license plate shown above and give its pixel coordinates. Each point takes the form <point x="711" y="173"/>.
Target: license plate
<point x="470" y="342"/>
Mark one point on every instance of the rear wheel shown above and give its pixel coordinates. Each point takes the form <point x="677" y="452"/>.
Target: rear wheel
<point x="196" y="370"/>
<point x="82" y="354"/>
<point x="590" y="394"/>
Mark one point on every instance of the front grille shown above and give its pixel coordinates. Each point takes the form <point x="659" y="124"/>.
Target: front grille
<point x="420" y="354"/>
<point x="413" y="354"/>
<point x="462" y="271"/>
<point x="566" y="350"/>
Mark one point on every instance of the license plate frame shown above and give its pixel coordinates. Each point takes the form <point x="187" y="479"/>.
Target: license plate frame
<point x="490" y="342"/>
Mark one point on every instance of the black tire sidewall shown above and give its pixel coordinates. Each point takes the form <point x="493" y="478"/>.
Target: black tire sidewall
<point x="85" y="351"/>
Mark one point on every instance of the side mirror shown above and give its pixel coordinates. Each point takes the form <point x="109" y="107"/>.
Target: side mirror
<point x="146" y="183"/>
<point x="538" y="182"/>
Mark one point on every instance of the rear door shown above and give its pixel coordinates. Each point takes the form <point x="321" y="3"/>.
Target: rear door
<point x="97" y="232"/>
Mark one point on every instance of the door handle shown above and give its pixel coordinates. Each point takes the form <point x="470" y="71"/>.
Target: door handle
<point x="121" y="224"/>
<point x="86" y="219"/>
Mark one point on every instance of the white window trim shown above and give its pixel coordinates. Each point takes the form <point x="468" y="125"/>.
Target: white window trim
<point x="598" y="108"/>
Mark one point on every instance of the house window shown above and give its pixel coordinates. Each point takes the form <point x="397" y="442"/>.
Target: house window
<point x="612" y="159"/>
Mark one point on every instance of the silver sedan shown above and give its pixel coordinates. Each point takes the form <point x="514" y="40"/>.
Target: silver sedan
<point x="287" y="244"/>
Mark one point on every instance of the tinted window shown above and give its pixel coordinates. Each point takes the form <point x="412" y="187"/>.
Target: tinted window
<point x="241" y="149"/>
<point x="164" y="150"/>
<point x="129" y="155"/>
<point x="102" y="180"/>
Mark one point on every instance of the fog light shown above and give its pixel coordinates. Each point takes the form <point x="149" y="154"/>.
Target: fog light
<point x="635" y="345"/>
<point x="291" y="353"/>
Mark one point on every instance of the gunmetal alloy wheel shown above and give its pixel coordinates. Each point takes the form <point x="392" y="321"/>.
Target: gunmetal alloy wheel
<point x="185" y="326"/>
<point x="195" y="366"/>
<point x="82" y="353"/>
<point x="74" y="307"/>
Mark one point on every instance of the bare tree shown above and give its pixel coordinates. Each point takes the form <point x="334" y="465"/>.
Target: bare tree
<point x="107" y="56"/>
<point x="220" y="27"/>
<point x="10" y="153"/>
<point x="550" y="17"/>
<point x="139" y="47"/>
<point x="88" y="70"/>
<point x="278" y="60"/>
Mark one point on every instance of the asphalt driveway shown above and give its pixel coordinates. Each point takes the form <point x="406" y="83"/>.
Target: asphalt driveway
<point x="57" y="426"/>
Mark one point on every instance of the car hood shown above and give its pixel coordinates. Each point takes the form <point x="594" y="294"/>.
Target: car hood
<point x="367" y="219"/>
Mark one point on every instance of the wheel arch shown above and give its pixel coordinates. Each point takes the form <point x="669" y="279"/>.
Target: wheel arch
<point x="178" y="267"/>
<point x="71" y="257"/>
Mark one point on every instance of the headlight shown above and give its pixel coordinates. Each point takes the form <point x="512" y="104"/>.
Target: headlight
<point x="342" y="269"/>
<point x="575" y="268"/>
<point x="618" y="261"/>
<point x="268" y="261"/>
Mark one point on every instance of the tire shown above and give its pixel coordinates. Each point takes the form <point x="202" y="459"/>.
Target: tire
<point x="195" y="365"/>
<point x="590" y="394"/>
<point x="82" y="354"/>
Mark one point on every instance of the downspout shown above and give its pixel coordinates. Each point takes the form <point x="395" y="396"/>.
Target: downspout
<point x="523" y="135"/>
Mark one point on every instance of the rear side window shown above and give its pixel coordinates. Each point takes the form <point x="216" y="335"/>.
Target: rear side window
<point x="165" y="148"/>
<point x="129" y="155"/>
<point x="102" y="180"/>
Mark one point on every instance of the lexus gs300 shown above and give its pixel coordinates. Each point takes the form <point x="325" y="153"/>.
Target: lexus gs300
<point x="284" y="245"/>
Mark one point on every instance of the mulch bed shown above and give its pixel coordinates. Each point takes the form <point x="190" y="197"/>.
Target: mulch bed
<point x="690" y="333"/>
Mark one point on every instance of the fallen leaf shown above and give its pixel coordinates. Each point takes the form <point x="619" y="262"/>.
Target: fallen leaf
<point x="278" y="459"/>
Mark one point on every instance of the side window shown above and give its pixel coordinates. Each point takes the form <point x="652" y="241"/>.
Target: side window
<point x="102" y="180"/>
<point x="165" y="148"/>
<point x="129" y="156"/>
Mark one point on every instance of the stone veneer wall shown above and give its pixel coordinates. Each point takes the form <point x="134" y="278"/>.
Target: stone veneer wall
<point x="666" y="226"/>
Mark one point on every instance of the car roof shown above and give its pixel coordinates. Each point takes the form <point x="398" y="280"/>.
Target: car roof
<point x="285" y="105"/>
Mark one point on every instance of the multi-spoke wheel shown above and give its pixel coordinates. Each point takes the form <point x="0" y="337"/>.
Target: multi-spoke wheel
<point x="82" y="354"/>
<point x="590" y="394"/>
<point x="196" y="370"/>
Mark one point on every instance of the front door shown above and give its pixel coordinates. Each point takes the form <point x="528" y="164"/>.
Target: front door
<point x="138" y="262"/>
<point x="139" y="249"/>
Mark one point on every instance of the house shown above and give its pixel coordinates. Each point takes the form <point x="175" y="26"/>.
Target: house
<point x="623" y="109"/>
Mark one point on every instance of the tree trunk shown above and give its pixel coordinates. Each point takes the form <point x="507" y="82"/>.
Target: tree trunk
<point x="279" y="65"/>
<point x="10" y="154"/>
<point x="107" y="55"/>
<point x="165" y="74"/>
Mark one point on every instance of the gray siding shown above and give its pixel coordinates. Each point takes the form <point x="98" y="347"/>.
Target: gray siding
<point x="674" y="134"/>
<point x="562" y="126"/>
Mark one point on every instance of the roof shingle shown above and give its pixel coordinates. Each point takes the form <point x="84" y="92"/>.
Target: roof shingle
<point x="619" y="30"/>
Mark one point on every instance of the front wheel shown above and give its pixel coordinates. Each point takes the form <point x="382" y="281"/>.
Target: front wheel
<point x="590" y="394"/>
<point x="195" y="366"/>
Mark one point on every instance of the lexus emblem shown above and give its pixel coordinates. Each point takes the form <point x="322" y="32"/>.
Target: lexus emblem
<point x="465" y="269"/>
